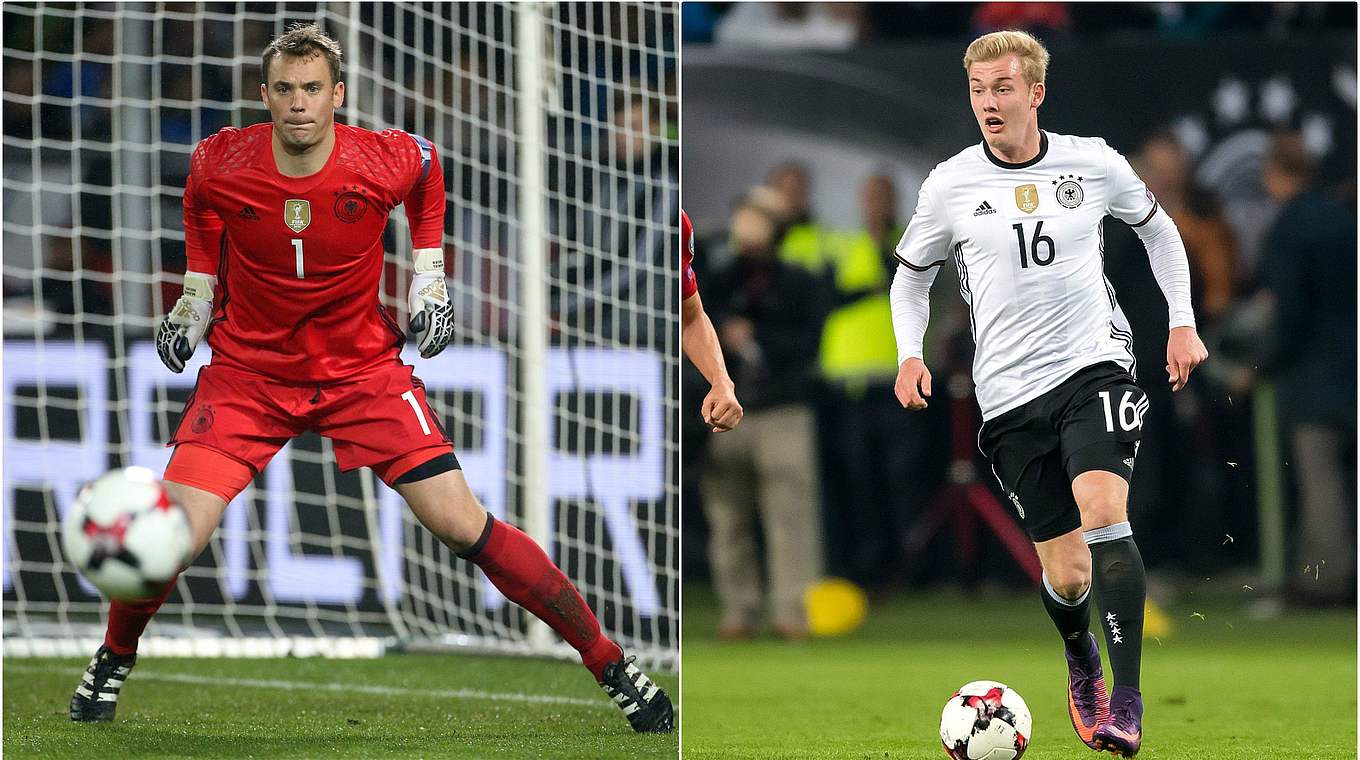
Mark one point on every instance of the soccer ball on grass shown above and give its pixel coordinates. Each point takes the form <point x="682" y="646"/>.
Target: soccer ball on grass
<point x="125" y="535"/>
<point x="985" y="720"/>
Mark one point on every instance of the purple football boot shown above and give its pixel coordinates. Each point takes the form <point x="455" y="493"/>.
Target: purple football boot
<point x="1122" y="735"/>
<point x="1088" y="704"/>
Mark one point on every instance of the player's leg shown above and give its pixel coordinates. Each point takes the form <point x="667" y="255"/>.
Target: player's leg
<point x="1117" y="568"/>
<point x="1100" y="428"/>
<point x="1121" y="592"/>
<point x="1066" y="591"/>
<point x="232" y="425"/>
<point x="514" y="563"/>
<point x="383" y="420"/>
<point x="1025" y="452"/>
<point x="204" y="508"/>
<point x="216" y="478"/>
<point x="1066" y="587"/>
<point x="439" y="496"/>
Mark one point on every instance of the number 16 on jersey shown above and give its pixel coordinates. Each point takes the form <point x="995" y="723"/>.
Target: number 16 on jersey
<point x="1039" y="237"/>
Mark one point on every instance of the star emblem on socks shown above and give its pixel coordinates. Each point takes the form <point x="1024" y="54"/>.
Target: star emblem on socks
<point x="1116" y="636"/>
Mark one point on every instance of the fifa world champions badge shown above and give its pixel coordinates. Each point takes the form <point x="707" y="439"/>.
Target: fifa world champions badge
<point x="297" y="214"/>
<point x="1027" y="198"/>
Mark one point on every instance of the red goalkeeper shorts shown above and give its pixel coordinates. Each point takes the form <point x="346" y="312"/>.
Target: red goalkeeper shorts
<point x="377" y="419"/>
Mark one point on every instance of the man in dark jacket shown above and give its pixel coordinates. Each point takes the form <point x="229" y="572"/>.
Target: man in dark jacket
<point x="768" y="315"/>
<point x="1309" y="266"/>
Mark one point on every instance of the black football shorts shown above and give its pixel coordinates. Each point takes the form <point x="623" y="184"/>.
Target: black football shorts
<point x="1092" y="421"/>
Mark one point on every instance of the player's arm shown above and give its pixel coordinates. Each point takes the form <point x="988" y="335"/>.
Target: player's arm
<point x="430" y="312"/>
<point x="924" y="248"/>
<point x="1131" y="202"/>
<point x="179" y="333"/>
<point x="721" y="408"/>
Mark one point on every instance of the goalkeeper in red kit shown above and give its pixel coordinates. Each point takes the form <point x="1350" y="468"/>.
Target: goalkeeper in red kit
<point x="283" y="227"/>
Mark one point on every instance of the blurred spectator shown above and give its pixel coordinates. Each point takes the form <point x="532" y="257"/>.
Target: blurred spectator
<point x="882" y="463"/>
<point x="1312" y="250"/>
<point x="804" y="239"/>
<point x="1189" y="20"/>
<point x="1171" y="473"/>
<point x="807" y="25"/>
<point x="1285" y="19"/>
<point x="823" y="26"/>
<point x="1165" y="167"/>
<point x="698" y="21"/>
<point x="1037" y="18"/>
<point x="768" y="315"/>
<point x="616" y="211"/>
<point x="21" y="249"/>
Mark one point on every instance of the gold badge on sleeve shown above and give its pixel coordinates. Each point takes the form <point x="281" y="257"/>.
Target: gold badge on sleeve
<point x="297" y="214"/>
<point x="1027" y="198"/>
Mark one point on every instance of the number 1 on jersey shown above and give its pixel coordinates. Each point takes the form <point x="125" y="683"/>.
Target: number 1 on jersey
<point x="410" y="397"/>
<point x="297" y="248"/>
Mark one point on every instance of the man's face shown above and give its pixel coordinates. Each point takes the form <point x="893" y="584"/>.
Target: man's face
<point x="633" y="134"/>
<point x="752" y="232"/>
<point x="1276" y="182"/>
<point x="878" y="200"/>
<point x="302" y="100"/>
<point x="1003" y="103"/>
<point x="792" y="183"/>
<point x="1164" y="167"/>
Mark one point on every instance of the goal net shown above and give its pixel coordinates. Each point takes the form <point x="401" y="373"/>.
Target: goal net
<point x="556" y="124"/>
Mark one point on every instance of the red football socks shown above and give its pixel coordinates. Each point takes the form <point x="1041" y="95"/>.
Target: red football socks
<point x="127" y="620"/>
<point x="515" y="564"/>
<point x="522" y="571"/>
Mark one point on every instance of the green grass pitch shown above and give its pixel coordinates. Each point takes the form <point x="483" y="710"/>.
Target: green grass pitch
<point x="403" y="705"/>
<point x="1224" y="686"/>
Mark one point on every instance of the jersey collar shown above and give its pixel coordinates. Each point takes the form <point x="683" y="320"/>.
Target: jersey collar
<point x="306" y="182"/>
<point x="1043" y="151"/>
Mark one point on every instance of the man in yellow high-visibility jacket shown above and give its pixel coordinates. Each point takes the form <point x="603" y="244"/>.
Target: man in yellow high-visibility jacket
<point x="881" y="464"/>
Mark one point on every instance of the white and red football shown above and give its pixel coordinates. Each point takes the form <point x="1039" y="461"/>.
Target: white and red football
<point x="126" y="535"/>
<point x="986" y="720"/>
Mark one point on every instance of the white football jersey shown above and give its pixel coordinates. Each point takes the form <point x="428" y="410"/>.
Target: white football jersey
<point x="1029" y="246"/>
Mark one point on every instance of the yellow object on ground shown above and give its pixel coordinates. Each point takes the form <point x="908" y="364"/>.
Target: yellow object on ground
<point x="835" y="607"/>
<point x="1156" y="623"/>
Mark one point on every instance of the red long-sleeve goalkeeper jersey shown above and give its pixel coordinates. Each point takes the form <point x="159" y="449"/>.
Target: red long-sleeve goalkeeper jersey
<point x="298" y="259"/>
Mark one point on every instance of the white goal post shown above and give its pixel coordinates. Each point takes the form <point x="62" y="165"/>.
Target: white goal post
<point x="557" y="127"/>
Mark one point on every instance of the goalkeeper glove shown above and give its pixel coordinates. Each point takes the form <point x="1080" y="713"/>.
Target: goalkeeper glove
<point x="179" y="333"/>
<point x="431" y="313"/>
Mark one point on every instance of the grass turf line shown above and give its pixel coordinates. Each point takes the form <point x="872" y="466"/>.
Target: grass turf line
<point x="402" y="705"/>
<point x="1224" y="686"/>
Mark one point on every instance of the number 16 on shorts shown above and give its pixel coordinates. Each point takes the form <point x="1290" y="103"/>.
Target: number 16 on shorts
<point x="1129" y="413"/>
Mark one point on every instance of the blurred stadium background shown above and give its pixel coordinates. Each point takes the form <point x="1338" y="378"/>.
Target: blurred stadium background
<point x="825" y="118"/>
<point x="557" y="125"/>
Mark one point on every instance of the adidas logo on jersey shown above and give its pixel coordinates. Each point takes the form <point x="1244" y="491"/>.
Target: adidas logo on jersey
<point x="984" y="209"/>
<point x="249" y="213"/>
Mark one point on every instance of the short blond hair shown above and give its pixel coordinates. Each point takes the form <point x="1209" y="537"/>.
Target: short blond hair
<point x="989" y="47"/>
